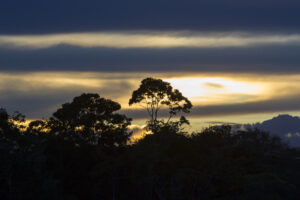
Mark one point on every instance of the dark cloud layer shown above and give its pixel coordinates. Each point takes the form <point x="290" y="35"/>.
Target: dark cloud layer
<point x="290" y="103"/>
<point x="265" y="59"/>
<point x="52" y="16"/>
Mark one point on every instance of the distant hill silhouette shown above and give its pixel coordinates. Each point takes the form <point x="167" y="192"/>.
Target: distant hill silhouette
<point x="285" y="126"/>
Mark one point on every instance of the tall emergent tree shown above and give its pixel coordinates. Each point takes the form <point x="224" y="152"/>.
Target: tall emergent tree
<point x="89" y="114"/>
<point x="156" y="94"/>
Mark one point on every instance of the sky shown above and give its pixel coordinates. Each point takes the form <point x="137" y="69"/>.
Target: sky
<point x="237" y="60"/>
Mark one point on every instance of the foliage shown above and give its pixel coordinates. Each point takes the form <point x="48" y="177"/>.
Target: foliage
<point x="82" y="153"/>
<point x="156" y="94"/>
<point x="89" y="113"/>
<point x="8" y="122"/>
<point x="88" y="117"/>
<point x="215" y="163"/>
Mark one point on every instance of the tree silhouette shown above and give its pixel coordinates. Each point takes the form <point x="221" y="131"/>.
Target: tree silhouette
<point x="10" y="122"/>
<point x="89" y="115"/>
<point x="155" y="94"/>
<point x="4" y="119"/>
<point x="216" y="163"/>
<point x="37" y="126"/>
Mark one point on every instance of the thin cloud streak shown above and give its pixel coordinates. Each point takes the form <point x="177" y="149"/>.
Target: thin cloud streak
<point x="148" y="39"/>
<point x="287" y="104"/>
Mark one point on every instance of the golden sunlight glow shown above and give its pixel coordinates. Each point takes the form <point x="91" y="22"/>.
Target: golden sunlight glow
<point x="215" y="89"/>
<point x="202" y="89"/>
<point x="138" y="132"/>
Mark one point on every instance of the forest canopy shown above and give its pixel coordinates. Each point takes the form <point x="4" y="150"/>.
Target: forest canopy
<point x="83" y="152"/>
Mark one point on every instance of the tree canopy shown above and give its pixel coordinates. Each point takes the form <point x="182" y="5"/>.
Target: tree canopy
<point x="55" y="158"/>
<point x="91" y="117"/>
<point x="9" y="122"/>
<point x="156" y="94"/>
<point x="92" y="113"/>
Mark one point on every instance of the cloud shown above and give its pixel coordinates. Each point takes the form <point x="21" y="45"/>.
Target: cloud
<point x="214" y="85"/>
<point x="263" y="59"/>
<point x="38" y="94"/>
<point x="36" y="16"/>
<point x="279" y="104"/>
<point x="288" y="103"/>
<point x="144" y="39"/>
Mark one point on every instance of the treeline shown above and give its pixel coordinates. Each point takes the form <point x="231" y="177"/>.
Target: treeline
<point x="83" y="152"/>
<point x="212" y="164"/>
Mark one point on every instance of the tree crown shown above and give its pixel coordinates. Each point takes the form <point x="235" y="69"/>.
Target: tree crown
<point x="90" y="112"/>
<point x="155" y="94"/>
